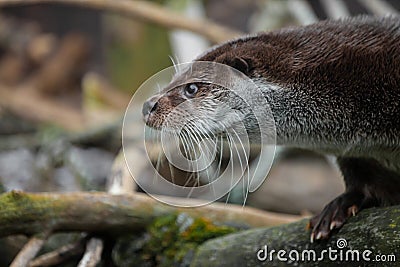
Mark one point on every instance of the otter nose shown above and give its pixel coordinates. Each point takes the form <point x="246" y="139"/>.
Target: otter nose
<point x="148" y="107"/>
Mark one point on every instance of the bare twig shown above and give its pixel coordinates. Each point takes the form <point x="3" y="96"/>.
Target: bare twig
<point x="149" y="12"/>
<point x="93" y="253"/>
<point x="120" y="180"/>
<point x="59" y="255"/>
<point x="117" y="214"/>
<point x="60" y="70"/>
<point x="95" y="246"/>
<point x="29" y="104"/>
<point x="379" y="8"/>
<point x="29" y="251"/>
<point x="33" y="106"/>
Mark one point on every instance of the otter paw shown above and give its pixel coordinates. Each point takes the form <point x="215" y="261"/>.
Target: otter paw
<point x="334" y="215"/>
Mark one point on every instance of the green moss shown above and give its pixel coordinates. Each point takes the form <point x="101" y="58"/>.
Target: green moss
<point x="28" y="208"/>
<point x="203" y="229"/>
<point x="13" y="198"/>
<point x="173" y="236"/>
<point x="170" y="240"/>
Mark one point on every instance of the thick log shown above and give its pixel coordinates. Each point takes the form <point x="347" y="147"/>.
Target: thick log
<point x="32" y="213"/>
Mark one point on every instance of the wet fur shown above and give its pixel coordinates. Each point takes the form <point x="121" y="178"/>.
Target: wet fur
<point x="334" y="87"/>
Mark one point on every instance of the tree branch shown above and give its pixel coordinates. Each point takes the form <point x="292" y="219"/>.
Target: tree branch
<point x="31" y="105"/>
<point x="148" y="12"/>
<point x="29" y="251"/>
<point x="30" y="213"/>
<point x="56" y="257"/>
<point x="92" y="255"/>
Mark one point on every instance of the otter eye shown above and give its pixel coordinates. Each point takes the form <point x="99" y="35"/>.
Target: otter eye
<point x="191" y="89"/>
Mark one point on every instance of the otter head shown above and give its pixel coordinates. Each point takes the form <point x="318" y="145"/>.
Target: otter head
<point x="190" y="93"/>
<point x="201" y="95"/>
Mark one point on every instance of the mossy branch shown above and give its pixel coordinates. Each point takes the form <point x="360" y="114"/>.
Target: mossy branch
<point x="32" y="213"/>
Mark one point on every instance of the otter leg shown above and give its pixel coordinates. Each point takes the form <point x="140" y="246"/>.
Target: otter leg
<point x="368" y="184"/>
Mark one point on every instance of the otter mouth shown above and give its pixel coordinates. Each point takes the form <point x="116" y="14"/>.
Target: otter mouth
<point x="148" y="120"/>
<point x="155" y="120"/>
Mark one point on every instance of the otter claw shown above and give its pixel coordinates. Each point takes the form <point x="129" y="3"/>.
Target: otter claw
<point x="353" y="210"/>
<point x="335" y="214"/>
<point x="319" y="235"/>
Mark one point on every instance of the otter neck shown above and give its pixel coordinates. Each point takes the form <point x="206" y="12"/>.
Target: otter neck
<point x="302" y="120"/>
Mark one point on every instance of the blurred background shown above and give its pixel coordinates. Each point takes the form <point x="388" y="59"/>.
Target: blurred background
<point x="67" y="73"/>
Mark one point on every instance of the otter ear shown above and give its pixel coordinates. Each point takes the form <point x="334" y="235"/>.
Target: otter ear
<point x="241" y="64"/>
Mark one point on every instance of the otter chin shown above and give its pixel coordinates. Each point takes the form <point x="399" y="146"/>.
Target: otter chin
<point x="333" y="87"/>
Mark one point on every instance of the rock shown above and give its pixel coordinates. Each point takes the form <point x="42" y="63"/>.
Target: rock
<point x="376" y="230"/>
<point x="65" y="181"/>
<point x="17" y="170"/>
<point x="91" y="165"/>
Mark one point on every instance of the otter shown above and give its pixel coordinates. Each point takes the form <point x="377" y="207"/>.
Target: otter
<point x="333" y="87"/>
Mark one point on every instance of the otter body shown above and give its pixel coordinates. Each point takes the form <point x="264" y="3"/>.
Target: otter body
<point x="333" y="87"/>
